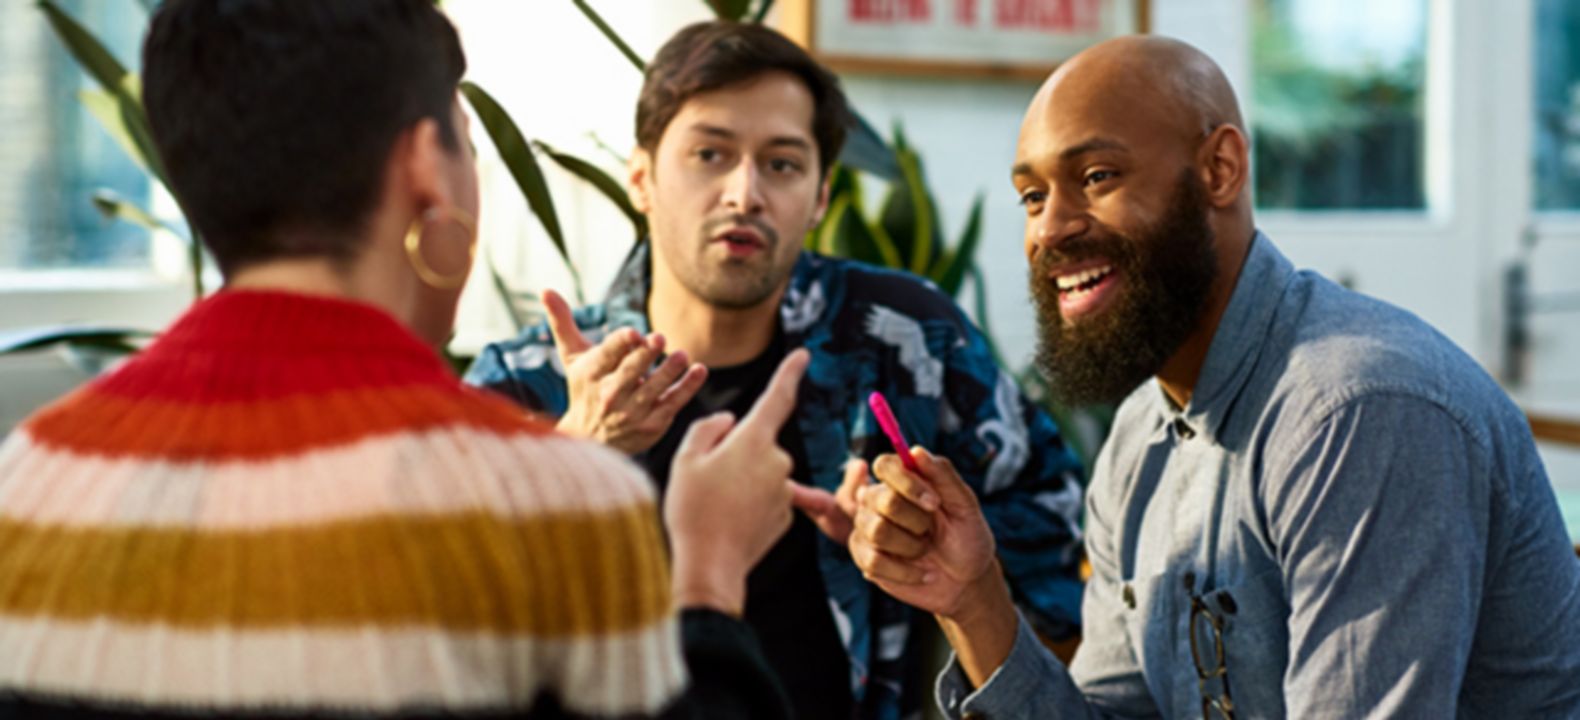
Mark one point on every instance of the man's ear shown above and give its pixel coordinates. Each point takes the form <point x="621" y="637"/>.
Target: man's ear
<point x="639" y="179"/>
<point x="1225" y="165"/>
<point x="822" y="201"/>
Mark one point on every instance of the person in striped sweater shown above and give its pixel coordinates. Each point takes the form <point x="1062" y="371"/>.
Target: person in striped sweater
<point x="289" y="506"/>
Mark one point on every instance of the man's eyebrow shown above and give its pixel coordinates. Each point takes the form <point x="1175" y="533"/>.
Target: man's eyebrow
<point x="727" y="134"/>
<point x="790" y="141"/>
<point x="714" y="130"/>
<point x="1092" y="145"/>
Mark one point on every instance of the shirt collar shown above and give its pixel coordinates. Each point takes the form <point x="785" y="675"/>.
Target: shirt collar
<point x="1237" y="343"/>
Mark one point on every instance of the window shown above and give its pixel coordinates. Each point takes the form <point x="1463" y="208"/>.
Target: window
<point x="1557" y="136"/>
<point x="53" y="155"/>
<point x="1337" y="107"/>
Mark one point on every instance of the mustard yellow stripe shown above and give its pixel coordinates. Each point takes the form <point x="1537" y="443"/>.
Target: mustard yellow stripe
<point x="554" y="575"/>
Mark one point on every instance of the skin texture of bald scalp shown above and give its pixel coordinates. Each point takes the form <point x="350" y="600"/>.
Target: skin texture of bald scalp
<point x="1106" y="149"/>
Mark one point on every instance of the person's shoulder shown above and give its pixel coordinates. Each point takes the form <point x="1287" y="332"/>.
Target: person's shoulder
<point x="534" y="442"/>
<point x="1336" y="349"/>
<point x="532" y="351"/>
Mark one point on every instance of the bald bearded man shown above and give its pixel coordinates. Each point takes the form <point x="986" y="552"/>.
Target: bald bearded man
<point x="1313" y="505"/>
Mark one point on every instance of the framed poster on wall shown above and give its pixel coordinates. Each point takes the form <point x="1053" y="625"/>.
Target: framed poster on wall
<point x="1004" y="38"/>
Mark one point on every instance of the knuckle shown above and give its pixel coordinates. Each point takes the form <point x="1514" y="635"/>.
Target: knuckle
<point x="890" y="501"/>
<point x="884" y="534"/>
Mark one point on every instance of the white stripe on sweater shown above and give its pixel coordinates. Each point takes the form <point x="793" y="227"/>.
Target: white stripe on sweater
<point x="437" y="471"/>
<point x="350" y="668"/>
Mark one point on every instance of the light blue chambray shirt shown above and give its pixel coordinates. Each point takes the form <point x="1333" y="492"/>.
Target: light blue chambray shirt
<point x="1355" y="499"/>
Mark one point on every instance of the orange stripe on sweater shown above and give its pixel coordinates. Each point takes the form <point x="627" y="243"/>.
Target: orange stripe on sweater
<point x="553" y="575"/>
<point x="92" y="422"/>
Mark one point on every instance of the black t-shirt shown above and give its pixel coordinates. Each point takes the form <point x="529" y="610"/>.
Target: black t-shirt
<point x="786" y="602"/>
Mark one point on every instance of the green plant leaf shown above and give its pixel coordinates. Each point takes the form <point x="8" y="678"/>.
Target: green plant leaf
<point x="908" y="214"/>
<point x="732" y="10"/>
<point x="136" y="123"/>
<point x="507" y="296"/>
<point x="106" y="109"/>
<point x="848" y="235"/>
<point x="897" y="214"/>
<point x="844" y="188"/>
<point x="84" y="47"/>
<point x="108" y="72"/>
<point x="608" y="32"/>
<point x="950" y="270"/>
<point x="826" y="238"/>
<point x="518" y="157"/>
<point x="600" y="180"/>
<point x="762" y="11"/>
<point x="866" y="150"/>
<point x="116" y="338"/>
<point x="115" y="207"/>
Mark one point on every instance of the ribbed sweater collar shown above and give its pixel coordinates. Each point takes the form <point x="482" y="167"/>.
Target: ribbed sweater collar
<point x="273" y="322"/>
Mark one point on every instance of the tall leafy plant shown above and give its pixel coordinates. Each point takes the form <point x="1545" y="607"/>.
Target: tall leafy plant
<point x="118" y="105"/>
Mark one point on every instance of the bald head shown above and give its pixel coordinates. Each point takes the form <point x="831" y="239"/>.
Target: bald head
<point x="1161" y="76"/>
<point x="1135" y="114"/>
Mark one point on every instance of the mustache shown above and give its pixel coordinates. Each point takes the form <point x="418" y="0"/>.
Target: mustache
<point x="714" y="226"/>
<point x="1108" y="245"/>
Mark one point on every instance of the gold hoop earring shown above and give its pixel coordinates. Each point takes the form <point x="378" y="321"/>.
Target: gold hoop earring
<point x="427" y="274"/>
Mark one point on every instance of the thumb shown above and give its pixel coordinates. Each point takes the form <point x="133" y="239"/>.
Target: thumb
<point x="855" y="476"/>
<point x="951" y="488"/>
<point x="568" y="338"/>
<point x="705" y="434"/>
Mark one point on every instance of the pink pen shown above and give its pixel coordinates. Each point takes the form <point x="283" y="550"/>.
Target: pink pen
<point x="891" y="427"/>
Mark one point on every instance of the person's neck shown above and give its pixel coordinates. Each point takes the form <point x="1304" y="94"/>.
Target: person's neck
<point x="711" y="335"/>
<point x="323" y="277"/>
<point x="1182" y="370"/>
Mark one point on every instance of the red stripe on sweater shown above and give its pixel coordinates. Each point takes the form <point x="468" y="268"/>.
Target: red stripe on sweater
<point x="95" y="423"/>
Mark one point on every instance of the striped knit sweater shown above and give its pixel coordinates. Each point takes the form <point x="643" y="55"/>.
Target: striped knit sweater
<point x="289" y="506"/>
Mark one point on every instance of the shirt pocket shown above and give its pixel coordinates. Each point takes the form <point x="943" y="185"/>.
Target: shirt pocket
<point x="1252" y="620"/>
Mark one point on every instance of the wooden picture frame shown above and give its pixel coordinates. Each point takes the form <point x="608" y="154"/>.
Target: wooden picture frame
<point x="1018" y="39"/>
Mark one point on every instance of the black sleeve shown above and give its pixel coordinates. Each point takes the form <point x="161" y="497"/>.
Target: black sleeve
<point x="730" y="678"/>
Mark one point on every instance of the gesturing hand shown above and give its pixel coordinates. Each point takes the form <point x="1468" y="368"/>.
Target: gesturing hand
<point x="616" y="396"/>
<point x="922" y="538"/>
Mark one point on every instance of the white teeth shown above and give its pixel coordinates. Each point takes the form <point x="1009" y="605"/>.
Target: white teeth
<point x="1074" y="280"/>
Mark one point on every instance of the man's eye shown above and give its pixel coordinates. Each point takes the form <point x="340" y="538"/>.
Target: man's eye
<point x="1032" y="197"/>
<point x="707" y="154"/>
<point x="782" y="165"/>
<point x="1097" y="176"/>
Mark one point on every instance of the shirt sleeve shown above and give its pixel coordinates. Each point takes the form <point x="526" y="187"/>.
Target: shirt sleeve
<point x="1030" y="685"/>
<point x="730" y="678"/>
<point x="1379" y="517"/>
<point x="535" y="384"/>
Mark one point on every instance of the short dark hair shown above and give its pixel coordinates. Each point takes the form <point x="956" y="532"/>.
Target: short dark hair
<point x="273" y="115"/>
<point x="716" y="54"/>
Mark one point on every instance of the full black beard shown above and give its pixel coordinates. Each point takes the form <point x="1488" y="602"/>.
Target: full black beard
<point x="1168" y="270"/>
